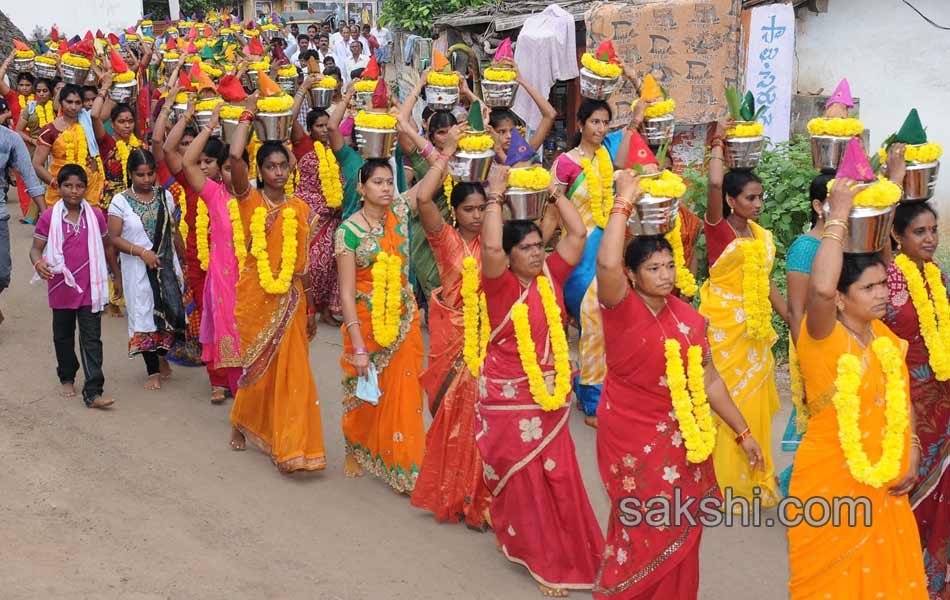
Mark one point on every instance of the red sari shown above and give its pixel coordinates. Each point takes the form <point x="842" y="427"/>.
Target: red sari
<point x="324" y="282"/>
<point x="641" y="454"/>
<point x="540" y="510"/>
<point x="450" y="483"/>
<point x="930" y="399"/>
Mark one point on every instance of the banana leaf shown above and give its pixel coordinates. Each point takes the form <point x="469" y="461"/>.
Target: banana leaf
<point x="661" y="155"/>
<point x="733" y="102"/>
<point x="748" y="107"/>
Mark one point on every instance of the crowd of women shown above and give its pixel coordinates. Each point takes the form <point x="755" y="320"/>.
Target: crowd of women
<point x="226" y="253"/>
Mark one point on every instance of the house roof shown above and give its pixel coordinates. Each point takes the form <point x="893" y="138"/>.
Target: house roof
<point x="508" y="16"/>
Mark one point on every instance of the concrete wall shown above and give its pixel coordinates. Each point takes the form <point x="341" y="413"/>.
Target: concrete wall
<point x="893" y="59"/>
<point x="73" y="16"/>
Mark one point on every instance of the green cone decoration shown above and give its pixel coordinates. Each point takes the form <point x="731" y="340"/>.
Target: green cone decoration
<point x="912" y="132"/>
<point x="747" y="110"/>
<point x="475" y="121"/>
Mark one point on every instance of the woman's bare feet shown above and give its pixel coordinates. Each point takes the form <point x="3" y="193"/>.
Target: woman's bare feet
<point x="352" y="468"/>
<point x="69" y="389"/>
<point x="164" y="368"/>
<point x="590" y="421"/>
<point x="551" y="592"/>
<point x="101" y="402"/>
<point x="153" y="383"/>
<point x="237" y="440"/>
<point x="218" y="395"/>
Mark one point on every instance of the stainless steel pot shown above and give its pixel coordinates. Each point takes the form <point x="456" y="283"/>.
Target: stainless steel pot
<point x="869" y="229"/>
<point x="375" y="143"/>
<point x="471" y="167"/>
<point x="228" y="129"/>
<point x="827" y="150"/>
<point x="659" y="131"/>
<point x="920" y="181"/>
<point x="123" y="93"/>
<point x="362" y="100"/>
<point x="744" y="153"/>
<point x="442" y="98"/>
<point x="203" y="118"/>
<point x="499" y="94"/>
<point x="596" y="87"/>
<point x="22" y="65"/>
<point x="251" y="80"/>
<point x="273" y="127"/>
<point x="524" y="205"/>
<point x="289" y="84"/>
<point x="44" y="70"/>
<point x="653" y="215"/>
<point x="170" y="64"/>
<point x="74" y="75"/>
<point x="321" y="97"/>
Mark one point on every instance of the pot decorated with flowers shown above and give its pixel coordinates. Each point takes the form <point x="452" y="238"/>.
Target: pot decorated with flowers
<point x="366" y="86"/>
<point x="204" y="109"/>
<point x="124" y="83"/>
<point x="476" y="150"/>
<point x="500" y="80"/>
<point x="658" y="120"/>
<point x="375" y="129"/>
<point x="23" y="58"/>
<point x="869" y="224"/>
<point x="527" y="193"/>
<point x="321" y="94"/>
<point x="268" y="32"/>
<point x="44" y="67"/>
<point x="442" y="85"/>
<point x="287" y="79"/>
<point x="831" y="133"/>
<point x="921" y="156"/>
<point x="656" y="210"/>
<point x="745" y="140"/>
<point x="75" y="66"/>
<point x="600" y="73"/>
<point x="233" y="97"/>
<point x="274" y="115"/>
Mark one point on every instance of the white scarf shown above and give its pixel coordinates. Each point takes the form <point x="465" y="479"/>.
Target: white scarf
<point x="53" y="254"/>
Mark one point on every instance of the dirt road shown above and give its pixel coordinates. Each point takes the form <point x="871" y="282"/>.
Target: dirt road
<point x="147" y="501"/>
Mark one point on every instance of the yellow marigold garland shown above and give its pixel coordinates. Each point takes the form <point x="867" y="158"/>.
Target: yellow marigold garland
<point x="746" y="130"/>
<point x="923" y="153"/>
<point x="755" y="290"/>
<point x="442" y="80"/>
<point x="275" y="104"/>
<point x="657" y="109"/>
<point x="599" y="67"/>
<point x="501" y="75"/>
<point x="80" y="62"/>
<point x="667" y="185"/>
<point x="531" y="178"/>
<point x="365" y="85"/>
<point x="252" y="147"/>
<point x="369" y="120"/>
<point x="288" y="251"/>
<point x="45" y="113"/>
<point x="691" y="409"/>
<point x="329" y="83"/>
<point x="386" y="298"/>
<point x="24" y="100"/>
<point x="124" y="77"/>
<point x="448" y="184"/>
<point x="77" y="150"/>
<point x="880" y="194"/>
<point x="202" y="223"/>
<point x="290" y="187"/>
<point x="122" y="151"/>
<point x="933" y="312"/>
<point x="685" y="282"/>
<point x="529" y="355"/>
<point x="474" y="317"/>
<point x="476" y="143"/>
<point x="600" y="185"/>
<point x="848" y="127"/>
<point x="237" y="233"/>
<point x="329" y="171"/>
<point x="847" y="404"/>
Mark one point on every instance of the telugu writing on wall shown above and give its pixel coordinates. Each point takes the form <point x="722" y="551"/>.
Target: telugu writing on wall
<point x="769" y="64"/>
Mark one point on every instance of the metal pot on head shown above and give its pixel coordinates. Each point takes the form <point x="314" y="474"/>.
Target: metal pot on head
<point x="869" y="229"/>
<point x="920" y="181"/>
<point x="827" y="150"/>
<point x="123" y="93"/>
<point x="375" y="143"/>
<point x="273" y="127"/>
<point x="362" y="100"/>
<point x="653" y="215"/>
<point x="499" y="94"/>
<point x="471" y="167"/>
<point x="288" y="84"/>
<point x="44" y="70"/>
<point x="659" y="130"/>
<point x="744" y="153"/>
<point x="74" y="75"/>
<point x="442" y="98"/>
<point x="321" y="97"/>
<point x="595" y="87"/>
<point x="522" y="204"/>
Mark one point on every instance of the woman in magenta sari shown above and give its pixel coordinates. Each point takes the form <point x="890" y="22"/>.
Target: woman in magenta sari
<point x="641" y="448"/>
<point x="220" y="342"/>
<point x="540" y="511"/>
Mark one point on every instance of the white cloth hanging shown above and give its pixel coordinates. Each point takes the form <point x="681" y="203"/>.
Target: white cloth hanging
<point x="546" y="52"/>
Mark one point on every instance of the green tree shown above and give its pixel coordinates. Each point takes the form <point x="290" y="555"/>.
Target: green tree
<point x="416" y="16"/>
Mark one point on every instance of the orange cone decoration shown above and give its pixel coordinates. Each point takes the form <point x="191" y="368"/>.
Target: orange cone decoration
<point x="267" y="86"/>
<point x="372" y="69"/>
<point x="651" y="89"/>
<point x="313" y="68"/>
<point x="184" y="82"/>
<point x="231" y="89"/>
<point x="118" y="65"/>
<point x="202" y="81"/>
<point x="20" y="45"/>
<point x="439" y="62"/>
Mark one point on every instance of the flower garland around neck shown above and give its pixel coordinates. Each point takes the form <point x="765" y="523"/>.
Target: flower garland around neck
<point x="290" y="187"/>
<point x="45" y="113"/>
<point x="448" y="184"/>
<point x="386" y="298"/>
<point x="755" y="290"/>
<point x="202" y="225"/>
<point x="24" y="100"/>
<point x="474" y="317"/>
<point x="691" y="408"/>
<point x="685" y="282"/>
<point x="329" y="171"/>
<point x="178" y="192"/>
<point x="76" y="149"/>
<point x="237" y="233"/>
<point x="528" y="353"/>
<point x="122" y="151"/>
<point x="847" y="404"/>
<point x="933" y="312"/>
<point x="288" y="250"/>
<point x="600" y="185"/>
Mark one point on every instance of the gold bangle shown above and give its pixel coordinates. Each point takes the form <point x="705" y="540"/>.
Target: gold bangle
<point x="350" y="324"/>
<point x="843" y="223"/>
<point x="832" y="235"/>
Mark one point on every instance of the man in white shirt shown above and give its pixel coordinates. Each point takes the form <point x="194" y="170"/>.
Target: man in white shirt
<point x="385" y="39"/>
<point x="357" y="60"/>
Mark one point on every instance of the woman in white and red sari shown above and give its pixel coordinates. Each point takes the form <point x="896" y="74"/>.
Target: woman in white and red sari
<point x="540" y="510"/>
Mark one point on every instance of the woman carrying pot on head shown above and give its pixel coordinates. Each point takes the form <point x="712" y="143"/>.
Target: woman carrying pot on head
<point x="655" y="430"/>
<point x="276" y="405"/>
<point x="34" y="117"/>
<point x="450" y="483"/>
<point x="143" y="230"/>
<point x="738" y="299"/>
<point x="859" y="443"/>
<point x="502" y="121"/>
<point x="540" y="511"/>
<point x="918" y="311"/>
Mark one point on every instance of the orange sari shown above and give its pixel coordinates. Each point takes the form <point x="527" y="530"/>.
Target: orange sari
<point x="880" y="561"/>
<point x="387" y="439"/>
<point x="62" y="152"/>
<point x="276" y="406"/>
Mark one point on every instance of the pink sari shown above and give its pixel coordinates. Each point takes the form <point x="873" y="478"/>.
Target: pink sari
<point x="220" y="342"/>
<point x="540" y="510"/>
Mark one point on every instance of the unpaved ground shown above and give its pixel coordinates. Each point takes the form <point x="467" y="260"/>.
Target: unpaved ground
<point x="146" y="501"/>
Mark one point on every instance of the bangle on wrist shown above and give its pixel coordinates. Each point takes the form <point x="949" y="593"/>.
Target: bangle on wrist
<point x="358" y="351"/>
<point x="742" y="436"/>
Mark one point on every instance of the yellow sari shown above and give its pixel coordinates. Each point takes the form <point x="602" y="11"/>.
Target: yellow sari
<point x="880" y="561"/>
<point x="63" y="151"/>
<point x="747" y="367"/>
<point x="276" y="406"/>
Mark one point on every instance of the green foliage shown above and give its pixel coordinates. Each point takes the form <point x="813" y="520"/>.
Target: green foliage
<point x="786" y="172"/>
<point x="416" y="16"/>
